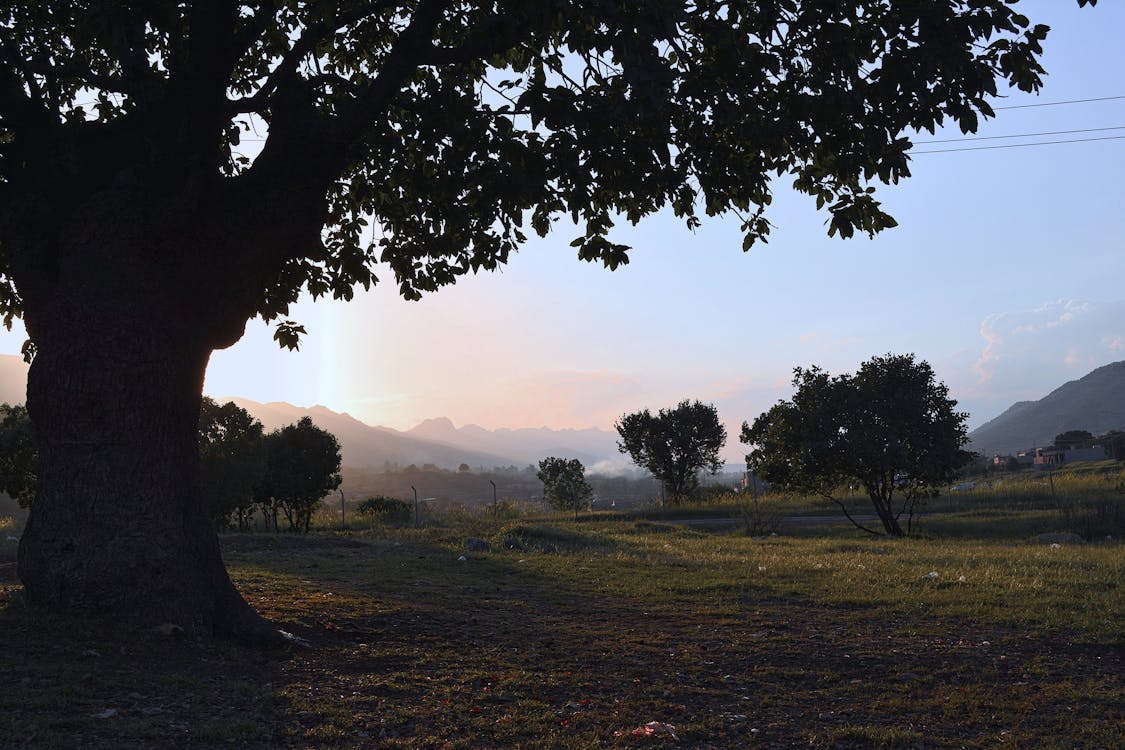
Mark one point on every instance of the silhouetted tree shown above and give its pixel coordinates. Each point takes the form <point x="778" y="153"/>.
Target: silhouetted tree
<point x="1073" y="439"/>
<point x="18" y="454"/>
<point x="136" y="236"/>
<point x="1114" y="444"/>
<point x="232" y="460"/>
<point x="302" y="466"/>
<point x="891" y="427"/>
<point x="675" y="445"/>
<point x="564" y="484"/>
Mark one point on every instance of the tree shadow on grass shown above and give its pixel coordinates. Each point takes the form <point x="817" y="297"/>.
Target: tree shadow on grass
<point x="72" y="683"/>
<point x="414" y="648"/>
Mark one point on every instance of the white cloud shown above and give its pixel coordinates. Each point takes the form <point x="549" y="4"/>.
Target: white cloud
<point x="1029" y="353"/>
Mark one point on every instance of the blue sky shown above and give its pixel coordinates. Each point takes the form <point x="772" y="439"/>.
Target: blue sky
<point x="1005" y="274"/>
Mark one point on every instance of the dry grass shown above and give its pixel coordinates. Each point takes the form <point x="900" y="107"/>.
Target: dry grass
<point x="813" y="642"/>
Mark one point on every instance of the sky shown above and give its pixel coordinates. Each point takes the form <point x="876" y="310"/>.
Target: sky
<point x="1005" y="273"/>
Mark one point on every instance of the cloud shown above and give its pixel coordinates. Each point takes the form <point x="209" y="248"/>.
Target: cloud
<point x="559" y="398"/>
<point x="1029" y="353"/>
<point x="1114" y="343"/>
<point x="1073" y="333"/>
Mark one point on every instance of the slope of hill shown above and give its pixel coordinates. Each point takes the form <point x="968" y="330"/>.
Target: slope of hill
<point x="434" y="441"/>
<point x="364" y="446"/>
<point x="527" y="444"/>
<point x="1095" y="402"/>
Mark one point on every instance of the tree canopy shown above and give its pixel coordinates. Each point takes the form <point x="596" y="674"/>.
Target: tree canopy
<point x="891" y="427"/>
<point x="18" y="454"/>
<point x="564" y="484"/>
<point x="232" y="460"/>
<point x="1073" y="439"/>
<point x="675" y="444"/>
<point x="302" y="466"/>
<point x="424" y="135"/>
<point x="419" y="139"/>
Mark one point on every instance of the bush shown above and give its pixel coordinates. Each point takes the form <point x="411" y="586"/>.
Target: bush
<point x="712" y="494"/>
<point x="530" y="537"/>
<point x="387" y="509"/>
<point x="758" y="517"/>
<point x="1094" y="514"/>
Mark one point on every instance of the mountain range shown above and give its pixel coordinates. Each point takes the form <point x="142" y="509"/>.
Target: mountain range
<point x="434" y="441"/>
<point x="1094" y="402"/>
<point x="438" y="442"/>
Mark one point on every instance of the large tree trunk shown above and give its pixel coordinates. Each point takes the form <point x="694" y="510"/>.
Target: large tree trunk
<point x="119" y="526"/>
<point x="124" y="300"/>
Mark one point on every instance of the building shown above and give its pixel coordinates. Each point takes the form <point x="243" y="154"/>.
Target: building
<point x="1048" y="457"/>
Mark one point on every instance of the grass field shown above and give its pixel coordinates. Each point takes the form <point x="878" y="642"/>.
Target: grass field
<point x="591" y="630"/>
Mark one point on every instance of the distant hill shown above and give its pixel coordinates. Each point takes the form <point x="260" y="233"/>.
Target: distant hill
<point x="364" y="446"/>
<point x="1095" y="402"/>
<point x="434" y="441"/>
<point x="527" y="444"/>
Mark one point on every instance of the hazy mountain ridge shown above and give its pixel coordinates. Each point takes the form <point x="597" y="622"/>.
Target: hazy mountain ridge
<point x="366" y="446"/>
<point x="1094" y="402"/>
<point x="433" y="441"/>
<point x="528" y="444"/>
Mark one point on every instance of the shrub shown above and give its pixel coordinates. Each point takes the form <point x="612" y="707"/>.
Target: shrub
<point x="387" y="509"/>
<point x="542" y="538"/>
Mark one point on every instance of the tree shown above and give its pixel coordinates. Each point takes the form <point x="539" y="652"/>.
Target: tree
<point x="302" y="466"/>
<point x="1114" y="444"/>
<point x="1073" y="439"/>
<point x="675" y="445"/>
<point x="232" y="461"/>
<point x="136" y="237"/>
<point x="890" y="427"/>
<point x="564" y="484"/>
<point x="17" y="454"/>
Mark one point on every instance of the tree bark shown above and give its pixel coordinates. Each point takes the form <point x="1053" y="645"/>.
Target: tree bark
<point x="885" y="512"/>
<point x="124" y="298"/>
<point x="119" y="527"/>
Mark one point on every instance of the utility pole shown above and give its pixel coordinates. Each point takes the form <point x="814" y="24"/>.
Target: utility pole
<point x="415" y="506"/>
<point x="343" y="519"/>
<point x="494" y="509"/>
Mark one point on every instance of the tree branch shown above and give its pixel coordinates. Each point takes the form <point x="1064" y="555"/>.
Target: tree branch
<point x="407" y="53"/>
<point x="286" y="70"/>
<point x="245" y="37"/>
<point x="25" y="108"/>
<point x="129" y="50"/>
<point x="857" y="524"/>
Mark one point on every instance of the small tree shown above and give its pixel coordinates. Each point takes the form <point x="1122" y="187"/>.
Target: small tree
<point x="1072" y="439"/>
<point x="18" y="454"/>
<point x="232" y="460"/>
<point x="891" y="427"/>
<point x="675" y="444"/>
<point x="302" y="466"/>
<point x="1114" y="444"/>
<point x="564" y="484"/>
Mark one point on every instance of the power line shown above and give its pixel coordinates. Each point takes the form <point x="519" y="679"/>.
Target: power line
<point x="1020" y="145"/>
<point x="1017" y="135"/>
<point x="1055" y="104"/>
